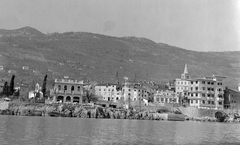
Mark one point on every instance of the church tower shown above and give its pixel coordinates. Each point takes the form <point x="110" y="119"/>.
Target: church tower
<point x="185" y="74"/>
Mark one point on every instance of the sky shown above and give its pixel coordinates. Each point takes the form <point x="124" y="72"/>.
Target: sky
<point x="200" y="25"/>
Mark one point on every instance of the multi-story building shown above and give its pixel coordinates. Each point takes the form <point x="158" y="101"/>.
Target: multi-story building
<point x="232" y="98"/>
<point x="135" y="93"/>
<point x="165" y="96"/>
<point x="206" y="92"/>
<point x="182" y="84"/>
<point x="66" y="90"/>
<point x="108" y="92"/>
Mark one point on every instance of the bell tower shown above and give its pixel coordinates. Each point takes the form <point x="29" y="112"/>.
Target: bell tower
<point x="185" y="74"/>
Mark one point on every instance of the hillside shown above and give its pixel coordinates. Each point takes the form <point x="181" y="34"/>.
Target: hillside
<point x="81" y="55"/>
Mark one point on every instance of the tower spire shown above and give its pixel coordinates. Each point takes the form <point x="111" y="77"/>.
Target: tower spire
<point x="185" y="69"/>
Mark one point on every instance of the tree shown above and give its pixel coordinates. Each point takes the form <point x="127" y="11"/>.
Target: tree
<point x="44" y="86"/>
<point x="6" y="89"/>
<point x="11" y="87"/>
<point x="89" y="96"/>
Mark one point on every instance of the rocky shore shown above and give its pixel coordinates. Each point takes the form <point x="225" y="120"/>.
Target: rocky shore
<point x="88" y="111"/>
<point x="93" y="111"/>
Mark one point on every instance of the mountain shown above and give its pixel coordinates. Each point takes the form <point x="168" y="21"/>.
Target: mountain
<point x="25" y="31"/>
<point x="82" y="55"/>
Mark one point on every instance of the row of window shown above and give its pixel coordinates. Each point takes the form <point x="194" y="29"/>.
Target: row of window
<point x="205" y="102"/>
<point x="203" y="95"/>
<point x="184" y="82"/>
<point x="65" y="88"/>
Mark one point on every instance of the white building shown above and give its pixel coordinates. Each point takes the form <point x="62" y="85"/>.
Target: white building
<point x="207" y="92"/>
<point x="165" y="96"/>
<point x="108" y="92"/>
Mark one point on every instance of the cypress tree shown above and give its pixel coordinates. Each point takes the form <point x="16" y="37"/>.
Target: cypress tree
<point x="6" y="89"/>
<point x="11" y="87"/>
<point x="44" y="86"/>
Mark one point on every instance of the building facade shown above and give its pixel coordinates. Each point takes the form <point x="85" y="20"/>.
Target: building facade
<point x="206" y="92"/>
<point x="231" y="99"/>
<point x="68" y="91"/>
<point x="165" y="96"/>
<point x="108" y="92"/>
<point x="182" y="84"/>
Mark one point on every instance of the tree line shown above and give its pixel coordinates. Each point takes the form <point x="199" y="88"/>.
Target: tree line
<point x="9" y="88"/>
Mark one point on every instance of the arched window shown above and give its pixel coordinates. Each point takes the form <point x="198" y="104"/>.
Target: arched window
<point x="65" y="87"/>
<point x="72" y="88"/>
<point x="78" y="88"/>
<point x="59" y="87"/>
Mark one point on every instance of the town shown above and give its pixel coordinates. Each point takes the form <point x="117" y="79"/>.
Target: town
<point x="208" y="92"/>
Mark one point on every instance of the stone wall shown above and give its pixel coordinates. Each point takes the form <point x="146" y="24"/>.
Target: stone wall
<point x="193" y="112"/>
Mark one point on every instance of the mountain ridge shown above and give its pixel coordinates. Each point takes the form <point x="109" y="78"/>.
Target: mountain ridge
<point x="84" y="55"/>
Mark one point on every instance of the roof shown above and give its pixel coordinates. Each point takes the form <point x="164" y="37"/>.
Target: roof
<point x="204" y="79"/>
<point x="107" y="84"/>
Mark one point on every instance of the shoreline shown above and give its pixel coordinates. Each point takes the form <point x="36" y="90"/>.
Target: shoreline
<point x="95" y="111"/>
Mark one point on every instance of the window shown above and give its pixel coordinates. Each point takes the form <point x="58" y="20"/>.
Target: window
<point x="220" y="103"/>
<point x="192" y="94"/>
<point x="209" y="83"/>
<point x="196" y="82"/>
<point x="212" y="89"/>
<point x="196" y="101"/>
<point x="196" y="94"/>
<point x="213" y="102"/>
<point x="212" y="83"/>
<point x="162" y="99"/>
<point x="196" y="88"/>
<point x="191" y="101"/>
<point x="191" y="88"/>
<point x="191" y="82"/>
<point x="59" y="87"/>
<point x="213" y="95"/>
<point x="203" y="94"/>
<point x="203" y="82"/>
<point x="72" y="88"/>
<point x="209" y="102"/>
<point x="166" y="100"/>
<point x="65" y="87"/>
<point x="203" y="101"/>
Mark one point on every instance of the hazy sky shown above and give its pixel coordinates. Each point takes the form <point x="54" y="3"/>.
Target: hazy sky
<point x="202" y="25"/>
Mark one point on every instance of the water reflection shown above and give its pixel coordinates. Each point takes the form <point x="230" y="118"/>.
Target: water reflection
<point x="47" y="130"/>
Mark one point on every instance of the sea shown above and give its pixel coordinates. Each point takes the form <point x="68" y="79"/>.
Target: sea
<point x="25" y="130"/>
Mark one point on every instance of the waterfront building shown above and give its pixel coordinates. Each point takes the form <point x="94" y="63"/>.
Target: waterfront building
<point x="165" y="96"/>
<point x="108" y="92"/>
<point x="135" y="93"/>
<point x="182" y="84"/>
<point x="35" y="93"/>
<point x="231" y="98"/>
<point x="66" y="90"/>
<point x="206" y="92"/>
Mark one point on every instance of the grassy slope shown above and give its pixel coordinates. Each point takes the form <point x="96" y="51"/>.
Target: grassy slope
<point x="98" y="57"/>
